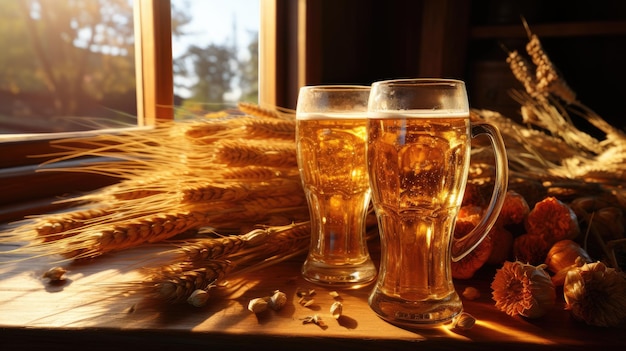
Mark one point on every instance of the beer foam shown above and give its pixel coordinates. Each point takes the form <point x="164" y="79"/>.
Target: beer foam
<point x="419" y="114"/>
<point x="331" y="115"/>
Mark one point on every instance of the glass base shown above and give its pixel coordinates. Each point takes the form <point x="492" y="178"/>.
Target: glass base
<point x="415" y="314"/>
<point x="349" y="276"/>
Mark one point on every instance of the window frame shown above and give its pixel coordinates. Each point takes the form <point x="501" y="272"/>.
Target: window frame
<point x="154" y="66"/>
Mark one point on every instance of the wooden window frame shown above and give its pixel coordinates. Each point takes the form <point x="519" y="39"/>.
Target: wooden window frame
<point x="153" y="52"/>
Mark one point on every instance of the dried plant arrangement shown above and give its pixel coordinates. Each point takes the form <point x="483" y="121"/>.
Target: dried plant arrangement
<point x="222" y="193"/>
<point x="549" y="156"/>
<point x="229" y="172"/>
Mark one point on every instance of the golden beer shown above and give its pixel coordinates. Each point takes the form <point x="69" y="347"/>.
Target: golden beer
<point x="419" y="140"/>
<point x="331" y="151"/>
<point x="418" y="168"/>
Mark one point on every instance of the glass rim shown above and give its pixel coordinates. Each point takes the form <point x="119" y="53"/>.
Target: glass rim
<point x="338" y="87"/>
<point x="419" y="82"/>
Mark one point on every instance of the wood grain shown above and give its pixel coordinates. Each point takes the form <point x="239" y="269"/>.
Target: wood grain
<point x="94" y="307"/>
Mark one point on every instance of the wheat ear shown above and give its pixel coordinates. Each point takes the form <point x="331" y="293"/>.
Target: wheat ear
<point x="252" y="152"/>
<point x="521" y="69"/>
<point x="176" y="282"/>
<point x="548" y="79"/>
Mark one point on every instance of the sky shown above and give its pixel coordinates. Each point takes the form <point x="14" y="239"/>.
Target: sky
<point x="212" y="22"/>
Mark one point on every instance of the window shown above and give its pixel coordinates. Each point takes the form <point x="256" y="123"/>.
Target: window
<point x="25" y="191"/>
<point x="71" y="66"/>
<point x="64" y="61"/>
<point x="215" y="53"/>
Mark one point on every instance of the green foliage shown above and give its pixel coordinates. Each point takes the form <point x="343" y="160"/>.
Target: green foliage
<point x="249" y="70"/>
<point x="74" y="54"/>
<point x="75" y="51"/>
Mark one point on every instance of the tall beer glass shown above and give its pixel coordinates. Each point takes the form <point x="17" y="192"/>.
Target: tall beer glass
<point x="331" y="133"/>
<point x="419" y="134"/>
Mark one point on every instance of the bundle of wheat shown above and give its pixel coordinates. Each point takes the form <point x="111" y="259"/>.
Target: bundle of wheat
<point x="550" y="156"/>
<point x="230" y="171"/>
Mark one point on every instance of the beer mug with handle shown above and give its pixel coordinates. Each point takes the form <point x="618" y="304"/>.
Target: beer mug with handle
<point x="331" y="134"/>
<point x="419" y="139"/>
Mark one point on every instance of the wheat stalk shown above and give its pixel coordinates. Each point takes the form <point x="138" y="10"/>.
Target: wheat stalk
<point x="171" y="183"/>
<point x="550" y="151"/>
<point x="239" y="153"/>
<point x="259" y="173"/>
<point x="270" y="129"/>
<point x="521" y="69"/>
<point x="202" y="263"/>
<point x="259" y="111"/>
<point x="176" y="282"/>
<point x="548" y="80"/>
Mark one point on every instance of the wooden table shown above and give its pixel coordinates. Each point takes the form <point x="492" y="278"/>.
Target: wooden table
<point x="92" y="311"/>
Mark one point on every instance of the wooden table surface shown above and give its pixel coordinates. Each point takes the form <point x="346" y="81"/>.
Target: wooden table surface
<point x="92" y="311"/>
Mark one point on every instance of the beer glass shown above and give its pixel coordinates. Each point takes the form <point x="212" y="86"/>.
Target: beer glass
<point x="419" y="138"/>
<point x="331" y="123"/>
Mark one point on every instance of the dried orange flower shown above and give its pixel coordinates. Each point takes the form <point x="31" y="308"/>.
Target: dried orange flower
<point x="530" y="248"/>
<point x="553" y="220"/>
<point x="524" y="289"/>
<point x="596" y="294"/>
<point x="514" y="210"/>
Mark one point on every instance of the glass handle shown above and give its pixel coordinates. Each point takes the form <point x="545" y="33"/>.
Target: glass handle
<point x="462" y="246"/>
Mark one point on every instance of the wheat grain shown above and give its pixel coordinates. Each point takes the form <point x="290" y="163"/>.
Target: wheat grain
<point x="269" y="203"/>
<point x="102" y="239"/>
<point x="176" y="282"/>
<point x="201" y="130"/>
<point x="521" y="70"/>
<point x="258" y="111"/>
<point x="210" y="248"/>
<point x="257" y="173"/>
<point x="548" y="79"/>
<point x="276" y="188"/>
<point x="167" y="182"/>
<point x="55" y="227"/>
<point x="250" y="152"/>
<point x="254" y="211"/>
<point x="271" y="129"/>
<point x="290" y="238"/>
<point x="212" y="191"/>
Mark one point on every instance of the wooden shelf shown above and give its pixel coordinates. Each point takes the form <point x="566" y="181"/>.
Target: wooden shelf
<point x="570" y="29"/>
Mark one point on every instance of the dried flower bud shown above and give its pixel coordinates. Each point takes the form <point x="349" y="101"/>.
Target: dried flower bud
<point x="563" y="254"/>
<point x="521" y="288"/>
<point x="530" y="248"/>
<point x="611" y="220"/>
<point x="257" y="305"/>
<point x="198" y="298"/>
<point x="553" y="220"/>
<point x="596" y="294"/>
<point x="514" y="210"/>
